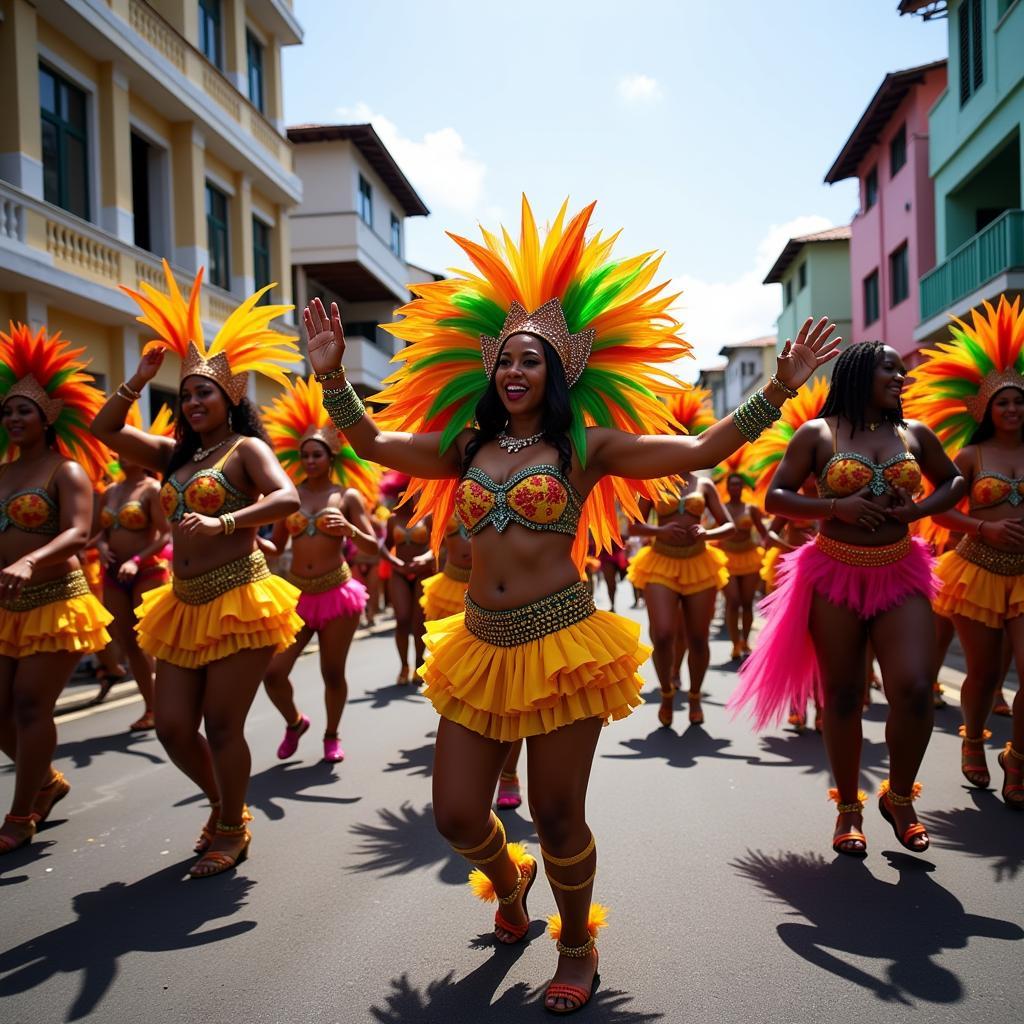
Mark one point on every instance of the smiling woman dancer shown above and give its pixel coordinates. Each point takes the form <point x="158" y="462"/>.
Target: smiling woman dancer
<point x="679" y="573"/>
<point x="214" y="629"/>
<point x="48" y="617"/>
<point x="133" y="535"/>
<point x="864" y="579"/>
<point x="564" y="336"/>
<point x="971" y="389"/>
<point x="334" y="485"/>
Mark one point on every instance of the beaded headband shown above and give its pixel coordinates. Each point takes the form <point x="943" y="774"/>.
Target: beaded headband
<point x="993" y="382"/>
<point x="28" y="387"/>
<point x="326" y="435"/>
<point x="216" y="369"/>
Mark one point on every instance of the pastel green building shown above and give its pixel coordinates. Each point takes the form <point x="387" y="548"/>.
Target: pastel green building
<point x="976" y="160"/>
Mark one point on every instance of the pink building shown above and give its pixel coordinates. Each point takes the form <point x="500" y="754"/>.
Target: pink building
<point x="893" y="234"/>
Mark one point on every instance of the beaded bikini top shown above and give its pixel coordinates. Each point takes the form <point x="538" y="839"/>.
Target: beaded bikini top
<point x="537" y="497"/>
<point x="692" y="504"/>
<point x="208" y="492"/>
<point x="989" y="488"/>
<point x="298" y="522"/>
<point x="847" y="472"/>
<point x="132" y="515"/>
<point x="31" y="510"/>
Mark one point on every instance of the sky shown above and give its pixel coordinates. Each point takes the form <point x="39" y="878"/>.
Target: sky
<point x="703" y="129"/>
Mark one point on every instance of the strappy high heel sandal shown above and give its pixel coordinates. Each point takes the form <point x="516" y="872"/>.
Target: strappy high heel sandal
<point x="52" y="793"/>
<point x="972" y="749"/>
<point x="1012" y="792"/>
<point x="8" y="844"/>
<point x="665" y="712"/>
<point x="696" y="712"/>
<point x="914" y="829"/>
<point x="216" y="862"/>
<point x="841" y="843"/>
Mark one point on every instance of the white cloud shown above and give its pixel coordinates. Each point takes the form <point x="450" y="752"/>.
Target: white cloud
<point x="438" y="165"/>
<point x="638" y="88"/>
<point x="715" y="313"/>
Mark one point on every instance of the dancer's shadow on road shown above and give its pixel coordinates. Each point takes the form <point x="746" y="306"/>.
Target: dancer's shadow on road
<point x="17" y="860"/>
<point x="678" y="750"/>
<point x="384" y="696"/>
<point x="407" y="839"/>
<point x="156" y="914"/>
<point x="82" y="753"/>
<point x="417" y="761"/>
<point x="807" y="752"/>
<point x="472" y="997"/>
<point x="905" y="926"/>
<point x="988" y="830"/>
<point x="288" y="780"/>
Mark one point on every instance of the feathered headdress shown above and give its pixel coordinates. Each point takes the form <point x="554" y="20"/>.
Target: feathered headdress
<point x="950" y="390"/>
<point x="765" y="454"/>
<point x="47" y="371"/>
<point x="691" y="409"/>
<point x="608" y="321"/>
<point x="245" y="341"/>
<point x="297" y="415"/>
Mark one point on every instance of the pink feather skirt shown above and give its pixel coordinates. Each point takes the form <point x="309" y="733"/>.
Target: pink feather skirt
<point x="348" y="599"/>
<point x="783" y="670"/>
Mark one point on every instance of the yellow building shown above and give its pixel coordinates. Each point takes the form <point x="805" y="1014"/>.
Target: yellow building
<point x="135" y="131"/>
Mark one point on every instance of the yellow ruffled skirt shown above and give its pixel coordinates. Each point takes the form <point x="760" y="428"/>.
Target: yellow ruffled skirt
<point x="977" y="593"/>
<point x="704" y="570"/>
<point x="744" y="563"/>
<point x="442" y="596"/>
<point x="770" y="567"/>
<point x="586" y="670"/>
<point x="77" y="623"/>
<point x="256" y="613"/>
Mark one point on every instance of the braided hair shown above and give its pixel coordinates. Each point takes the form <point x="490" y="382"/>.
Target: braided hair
<point x="852" y="382"/>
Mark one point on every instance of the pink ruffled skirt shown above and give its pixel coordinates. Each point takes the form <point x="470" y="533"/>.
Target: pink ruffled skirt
<point x="783" y="670"/>
<point x="316" y="610"/>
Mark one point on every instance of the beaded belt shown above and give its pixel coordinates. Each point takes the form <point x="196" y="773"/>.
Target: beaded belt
<point x="737" y="547"/>
<point x="456" y="572"/>
<point x="63" y="589"/>
<point x="321" y="584"/>
<point x="513" y="626"/>
<point x="676" y="551"/>
<point x="1002" y="563"/>
<point x="210" y="585"/>
<point x="858" y="554"/>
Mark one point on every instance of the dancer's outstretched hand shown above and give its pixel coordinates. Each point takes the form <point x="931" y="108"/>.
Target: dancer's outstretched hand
<point x="814" y="347"/>
<point x="326" y="337"/>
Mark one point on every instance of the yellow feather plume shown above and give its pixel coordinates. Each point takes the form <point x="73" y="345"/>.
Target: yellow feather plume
<point x="596" y="920"/>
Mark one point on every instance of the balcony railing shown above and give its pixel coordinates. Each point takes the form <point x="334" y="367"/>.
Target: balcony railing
<point x="993" y="250"/>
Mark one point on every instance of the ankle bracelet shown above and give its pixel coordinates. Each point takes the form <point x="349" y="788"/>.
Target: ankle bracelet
<point x="898" y="800"/>
<point x="576" y="952"/>
<point x="853" y="807"/>
<point x="986" y="734"/>
<point x="230" y="830"/>
<point x="514" y="894"/>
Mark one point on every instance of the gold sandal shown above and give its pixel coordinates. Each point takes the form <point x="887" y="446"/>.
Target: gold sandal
<point x="53" y="792"/>
<point x="217" y="860"/>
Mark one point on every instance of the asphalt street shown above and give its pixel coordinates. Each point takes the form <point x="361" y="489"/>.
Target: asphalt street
<point x="727" y="903"/>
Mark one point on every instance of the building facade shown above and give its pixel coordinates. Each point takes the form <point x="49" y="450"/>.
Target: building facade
<point x="892" y="237"/>
<point x="814" y="272"/>
<point x="748" y="366"/>
<point x="976" y="130"/>
<point x="138" y="131"/>
<point x="348" y="239"/>
<point x="712" y="378"/>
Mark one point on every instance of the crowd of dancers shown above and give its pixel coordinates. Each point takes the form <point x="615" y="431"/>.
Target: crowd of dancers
<point x="534" y="434"/>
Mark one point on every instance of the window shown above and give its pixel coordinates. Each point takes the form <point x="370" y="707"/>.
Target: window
<point x="62" y="109"/>
<point x="217" y="237"/>
<point x="801" y="277"/>
<point x="159" y="397"/>
<point x="396" y="235"/>
<point x="972" y="68"/>
<point x="210" y="32"/>
<point x="870" y="189"/>
<point x="898" y="151"/>
<point x="365" y="201"/>
<point x="261" y="257"/>
<point x="899" y="275"/>
<point x="788" y="292"/>
<point x="871" y="298"/>
<point x="748" y="368"/>
<point x="254" y="56"/>
<point x="140" y="193"/>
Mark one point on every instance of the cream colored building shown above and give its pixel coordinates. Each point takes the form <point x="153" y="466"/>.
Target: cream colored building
<point x="348" y="239"/>
<point x="749" y="365"/>
<point x="136" y="131"/>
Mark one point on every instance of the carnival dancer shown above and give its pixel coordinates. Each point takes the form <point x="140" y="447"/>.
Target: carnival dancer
<point x="215" y="627"/>
<point x="133" y="543"/>
<point x="48" y="617"/>
<point x="863" y="579"/>
<point x="410" y="560"/>
<point x="567" y="337"/>
<point x="679" y="573"/>
<point x="334" y="485"/>
<point x="970" y="390"/>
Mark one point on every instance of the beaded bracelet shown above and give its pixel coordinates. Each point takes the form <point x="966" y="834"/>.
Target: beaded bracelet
<point x="334" y="374"/>
<point x="344" y="406"/>
<point x="227" y="522"/>
<point x="754" y="416"/>
<point x="784" y="388"/>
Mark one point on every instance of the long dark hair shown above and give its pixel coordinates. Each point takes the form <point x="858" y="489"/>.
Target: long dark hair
<point x="492" y="416"/>
<point x="852" y="381"/>
<point x="986" y="429"/>
<point x="242" y="419"/>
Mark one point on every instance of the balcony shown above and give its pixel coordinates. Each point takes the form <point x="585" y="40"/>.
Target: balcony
<point x="987" y="263"/>
<point x="367" y="362"/>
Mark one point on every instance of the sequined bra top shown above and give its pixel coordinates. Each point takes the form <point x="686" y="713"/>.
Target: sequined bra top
<point x="300" y="523"/>
<point x="132" y="515"/>
<point x="692" y="504"/>
<point x="207" y="491"/>
<point x="537" y="497"/>
<point x="31" y="510"/>
<point x="989" y="489"/>
<point x="847" y="472"/>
